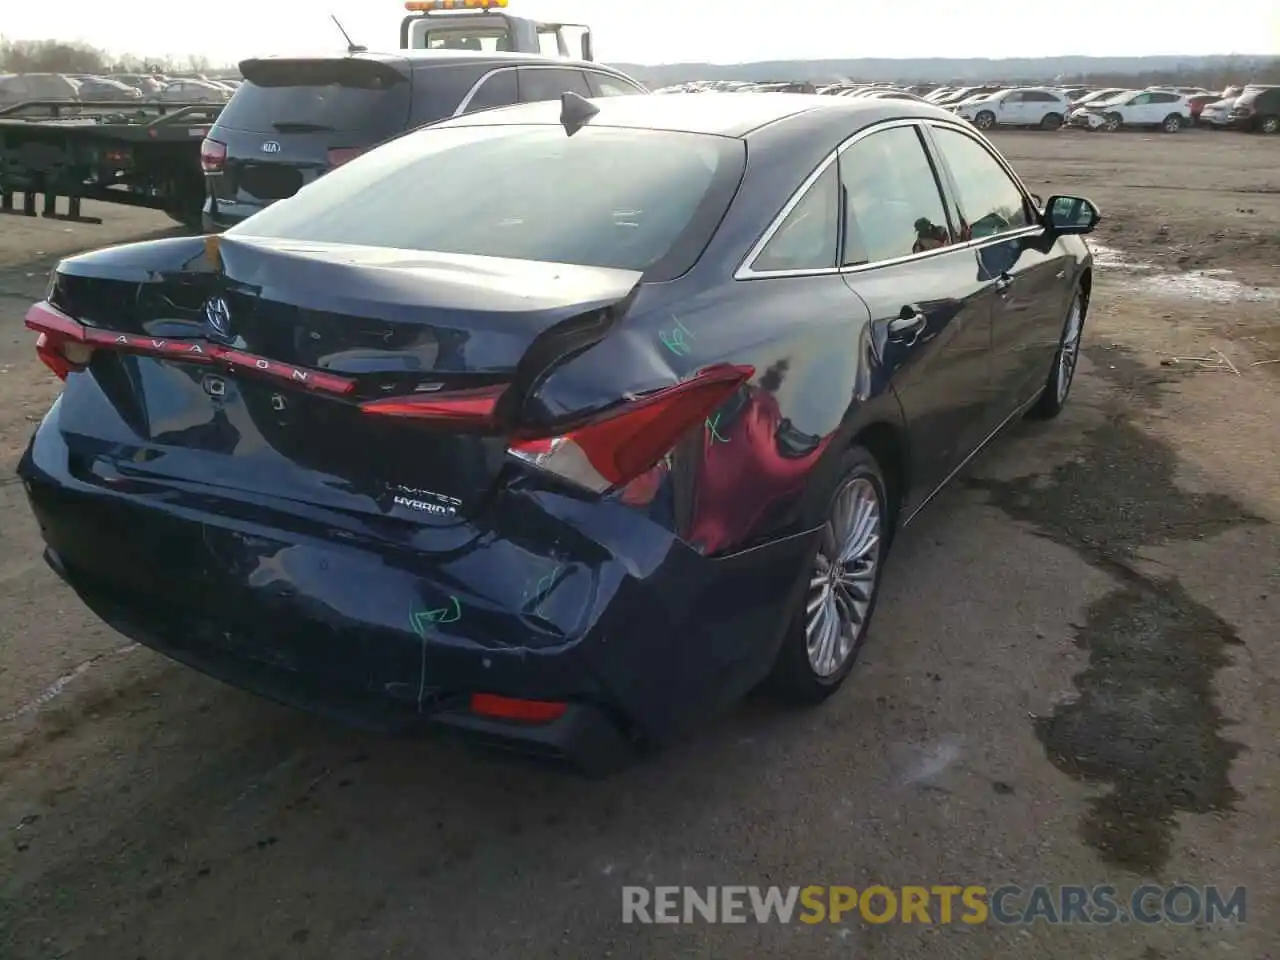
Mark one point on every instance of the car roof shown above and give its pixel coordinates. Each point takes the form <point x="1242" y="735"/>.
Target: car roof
<point x="723" y="114"/>
<point x="431" y="58"/>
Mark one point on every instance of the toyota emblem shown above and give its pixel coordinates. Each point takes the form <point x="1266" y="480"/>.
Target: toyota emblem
<point x="218" y="316"/>
<point x="271" y="146"/>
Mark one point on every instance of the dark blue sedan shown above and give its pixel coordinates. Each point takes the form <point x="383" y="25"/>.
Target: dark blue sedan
<point x="561" y="426"/>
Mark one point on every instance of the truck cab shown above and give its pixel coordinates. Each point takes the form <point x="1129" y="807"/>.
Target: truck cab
<point x="485" y="26"/>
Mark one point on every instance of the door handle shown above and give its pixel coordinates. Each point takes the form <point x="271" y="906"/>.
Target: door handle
<point x="1003" y="283"/>
<point x="908" y="325"/>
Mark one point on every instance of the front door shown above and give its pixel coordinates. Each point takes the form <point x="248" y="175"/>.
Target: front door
<point x="930" y="309"/>
<point x="1030" y="282"/>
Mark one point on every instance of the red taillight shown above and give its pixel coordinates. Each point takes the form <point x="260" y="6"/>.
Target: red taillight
<point x="457" y="407"/>
<point x="340" y="155"/>
<point x="213" y="155"/>
<point x="624" y="444"/>
<point x="507" y="708"/>
<point x="60" y="345"/>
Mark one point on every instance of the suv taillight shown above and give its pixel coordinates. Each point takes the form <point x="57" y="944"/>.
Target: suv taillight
<point x="213" y="154"/>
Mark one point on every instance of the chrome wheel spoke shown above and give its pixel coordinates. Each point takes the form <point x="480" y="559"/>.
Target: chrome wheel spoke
<point x="844" y="577"/>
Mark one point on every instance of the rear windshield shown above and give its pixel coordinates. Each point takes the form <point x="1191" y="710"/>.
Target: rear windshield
<point x="631" y="199"/>
<point x="320" y="95"/>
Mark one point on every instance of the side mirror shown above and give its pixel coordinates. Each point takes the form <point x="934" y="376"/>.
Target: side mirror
<point x="588" y="54"/>
<point x="1070" y="215"/>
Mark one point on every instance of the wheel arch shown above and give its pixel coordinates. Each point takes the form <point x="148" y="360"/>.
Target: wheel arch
<point x="887" y="442"/>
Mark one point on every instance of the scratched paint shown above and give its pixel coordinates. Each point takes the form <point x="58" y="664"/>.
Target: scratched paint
<point x="537" y="592"/>
<point x="422" y="621"/>
<point x="713" y="425"/>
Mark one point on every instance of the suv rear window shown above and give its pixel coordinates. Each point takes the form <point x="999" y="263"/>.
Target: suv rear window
<point x="300" y="96"/>
<point x="525" y="192"/>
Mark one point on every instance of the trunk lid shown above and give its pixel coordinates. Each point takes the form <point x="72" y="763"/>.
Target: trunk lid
<point x="307" y="336"/>
<point x="293" y="119"/>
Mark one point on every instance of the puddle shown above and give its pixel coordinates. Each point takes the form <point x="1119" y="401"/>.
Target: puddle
<point x="1215" y="286"/>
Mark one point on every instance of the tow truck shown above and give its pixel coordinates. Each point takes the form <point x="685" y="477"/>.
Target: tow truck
<point x="148" y="155"/>
<point x="485" y="25"/>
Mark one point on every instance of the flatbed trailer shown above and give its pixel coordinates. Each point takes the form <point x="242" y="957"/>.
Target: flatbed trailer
<point x="126" y="152"/>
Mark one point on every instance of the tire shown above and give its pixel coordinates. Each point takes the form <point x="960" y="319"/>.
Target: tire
<point x="1051" y="121"/>
<point x="1058" y="387"/>
<point x="1269" y="125"/>
<point x="1172" y="123"/>
<point x="803" y="676"/>
<point x="1112" y="122"/>
<point x="185" y="201"/>
<point x="985" y="120"/>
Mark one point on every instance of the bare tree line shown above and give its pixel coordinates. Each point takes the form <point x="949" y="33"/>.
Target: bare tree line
<point x="57" y="56"/>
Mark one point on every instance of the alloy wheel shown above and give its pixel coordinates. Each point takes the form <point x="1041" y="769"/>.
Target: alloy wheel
<point x="844" y="577"/>
<point x="1069" y="351"/>
<point x="1271" y="125"/>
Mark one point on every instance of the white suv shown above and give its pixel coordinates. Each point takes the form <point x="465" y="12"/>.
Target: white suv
<point x="1165" y="109"/>
<point x="1023" y="107"/>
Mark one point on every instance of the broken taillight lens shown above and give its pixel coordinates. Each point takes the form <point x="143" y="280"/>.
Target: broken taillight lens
<point x="624" y="444"/>
<point x="60" y="344"/>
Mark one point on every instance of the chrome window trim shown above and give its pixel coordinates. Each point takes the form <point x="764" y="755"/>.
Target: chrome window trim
<point x="745" y="272"/>
<point x="625" y="81"/>
<point x="475" y="87"/>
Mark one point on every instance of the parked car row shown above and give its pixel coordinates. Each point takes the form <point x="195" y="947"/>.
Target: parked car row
<point x="19" y="87"/>
<point x="1251" y="107"/>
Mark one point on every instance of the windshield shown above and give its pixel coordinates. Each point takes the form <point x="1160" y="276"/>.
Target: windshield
<point x="606" y="197"/>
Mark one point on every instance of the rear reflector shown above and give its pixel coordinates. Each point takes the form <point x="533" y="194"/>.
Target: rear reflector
<point x="621" y="446"/>
<point x="506" y="708"/>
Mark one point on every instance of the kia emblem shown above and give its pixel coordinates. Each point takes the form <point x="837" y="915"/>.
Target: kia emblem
<point x="271" y="146"/>
<point x="218" y="316"/>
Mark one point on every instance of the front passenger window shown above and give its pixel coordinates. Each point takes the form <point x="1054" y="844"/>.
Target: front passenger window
<point x="808" y="237"/>
<point x="990" y="200"/>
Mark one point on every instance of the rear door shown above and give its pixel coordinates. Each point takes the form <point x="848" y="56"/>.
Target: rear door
<point x="292" y="120"/>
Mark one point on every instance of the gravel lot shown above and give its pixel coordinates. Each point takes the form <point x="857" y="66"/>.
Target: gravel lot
<point x="1072" y="679"/>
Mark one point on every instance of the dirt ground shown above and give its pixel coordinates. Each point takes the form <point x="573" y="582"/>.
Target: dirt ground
<point x="1073" y="679"/>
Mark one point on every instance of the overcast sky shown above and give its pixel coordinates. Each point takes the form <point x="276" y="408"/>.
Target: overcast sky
<point x="665" y="31"/>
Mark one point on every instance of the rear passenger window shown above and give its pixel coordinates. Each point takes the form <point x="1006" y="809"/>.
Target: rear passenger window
<point x="809" y="236"/>
<point x="498" y="89"/>
<point x="603" y="85"/>
<point x="543" y="83"/>
<point x="990" y="201"/>
<point x="893" y="206"/>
